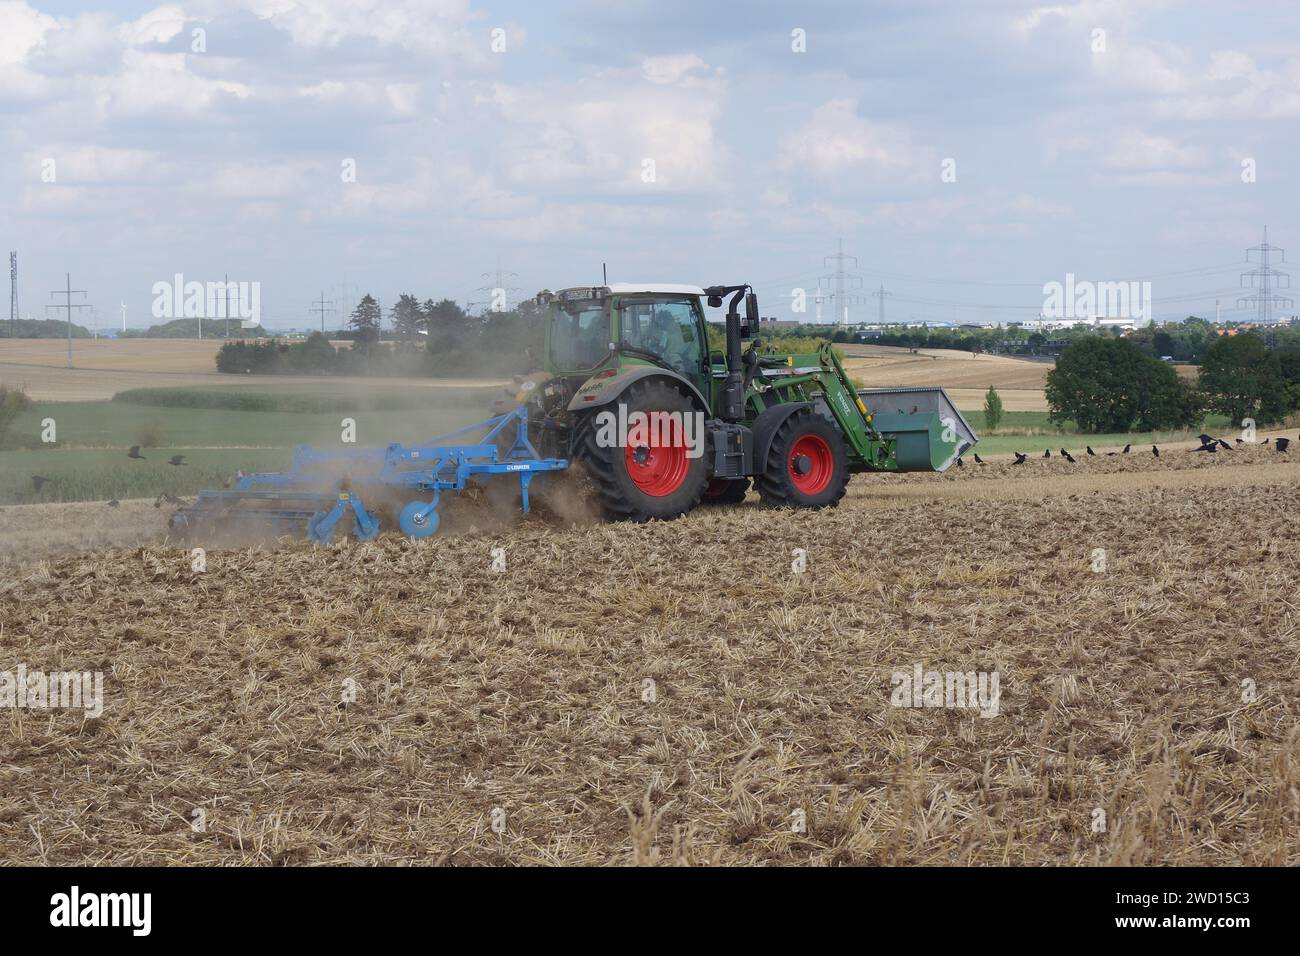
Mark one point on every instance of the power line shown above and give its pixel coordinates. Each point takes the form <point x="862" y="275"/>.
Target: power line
<point x="226" y="287"/>
<point x="499" y="294"/>
<point x="322" y="307"/>
<point x="1265" y="298"/>
<point x="13" y="295"/>
<point x="843" y="280"/>
<point x="68" y="304"/>
<point x="881" y="294"/>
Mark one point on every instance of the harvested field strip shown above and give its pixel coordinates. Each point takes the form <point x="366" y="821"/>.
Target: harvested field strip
<point x="34" y="531"/>
<point x="1121" y="691"/>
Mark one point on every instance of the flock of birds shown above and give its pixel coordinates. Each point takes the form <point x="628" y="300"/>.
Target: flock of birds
<point x="177" y="461"/>
<point x="1208" y="444"/>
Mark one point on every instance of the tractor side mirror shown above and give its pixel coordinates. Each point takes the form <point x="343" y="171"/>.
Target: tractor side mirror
<point x="717" y="358"/>
<point x="749" y="328"/>
<point x="715" y="302"/>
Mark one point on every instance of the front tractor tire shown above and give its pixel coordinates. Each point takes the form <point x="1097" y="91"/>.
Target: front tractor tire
<point x="807" y="464"/>
<point x="638" y="480"/>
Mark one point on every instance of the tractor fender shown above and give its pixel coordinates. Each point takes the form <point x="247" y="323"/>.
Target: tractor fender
<point x="596" y="392"/>
<point x="765" y="426"/>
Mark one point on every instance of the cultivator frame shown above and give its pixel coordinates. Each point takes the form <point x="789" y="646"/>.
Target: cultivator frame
<point x="323" y="489"/>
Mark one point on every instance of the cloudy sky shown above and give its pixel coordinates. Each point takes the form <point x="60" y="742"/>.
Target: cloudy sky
<point x="967" y="152"/>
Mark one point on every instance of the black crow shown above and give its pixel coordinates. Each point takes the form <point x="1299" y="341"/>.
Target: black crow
<point x="1020" y="459"/>
<point x="1155" y="451"/>
<point x="1064" y="453"/>
<point x="1047" y="453"/>
<point x="1241" y="441"/>
<point x="176" y="460"/>
<point x="1126" y="448"/>
<point x="1204" y="438"/>
<point x="115" y="503"/>
<point x="1068" y="456"/>
<point x="1282" y="444"/>
<point x="1224" y="444"/>
<point x="135" y="453"/>
<point x="1210" y="448"/>
<point x="979" y="460"/>
<point x="1267" y="440"/>
<point x="1090" y="451"/>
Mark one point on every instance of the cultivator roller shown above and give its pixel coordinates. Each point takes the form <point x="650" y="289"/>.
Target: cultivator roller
<point x="364" y="490"/>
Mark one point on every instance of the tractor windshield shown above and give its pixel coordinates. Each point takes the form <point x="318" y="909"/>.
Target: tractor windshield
<point x="663" y="326"/>
<point x="579" y="334"/>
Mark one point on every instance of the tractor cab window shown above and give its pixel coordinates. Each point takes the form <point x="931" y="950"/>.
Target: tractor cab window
<point x="668" y="328"/>
<point x="579" y="335"/>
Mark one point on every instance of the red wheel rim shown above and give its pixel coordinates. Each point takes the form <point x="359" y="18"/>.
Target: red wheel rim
<point x="814" y="452"/>
<point x="658" y="470"/>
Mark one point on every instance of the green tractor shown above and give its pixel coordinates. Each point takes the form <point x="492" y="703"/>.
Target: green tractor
<point x="631" y="389"/>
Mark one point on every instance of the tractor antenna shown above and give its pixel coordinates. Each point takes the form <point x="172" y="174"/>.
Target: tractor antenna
<point x="604" y="274"/>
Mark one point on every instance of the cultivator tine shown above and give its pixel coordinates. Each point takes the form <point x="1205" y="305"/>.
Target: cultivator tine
<point x="320" y="528"/>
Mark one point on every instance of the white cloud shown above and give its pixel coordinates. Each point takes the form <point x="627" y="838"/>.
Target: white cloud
<point x="601" y="131"/>
<point x="1235" y="87"/>
<point x="836" y="139"/>
<point x="672" y="68"/>
<point x="24" y="31"/>
<point x="1143" y="69"/>
<point x="1135" y="150"/>
<point x="248" y="180"/>
<point x="377" y="98"/>
<point x="1108" y="15"/>
<point x="1230" y="65"/>
<point x="429" y="26"/>
<point x="154" y="83"/>
<point x="156" y="26"/>
<point x="80" y="164"/>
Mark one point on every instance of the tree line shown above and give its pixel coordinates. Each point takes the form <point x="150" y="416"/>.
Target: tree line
<point x="1112" y="385"/>
<point x="422" y="338"/>
<point x="1185" y="341"/>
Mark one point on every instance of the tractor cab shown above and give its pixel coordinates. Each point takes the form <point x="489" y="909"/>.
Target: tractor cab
<point x="627" y="324"/>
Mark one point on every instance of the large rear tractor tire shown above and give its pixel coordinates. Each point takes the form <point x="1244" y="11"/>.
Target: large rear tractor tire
<point x="641" y="480"/>
<point x="807" y="464"/>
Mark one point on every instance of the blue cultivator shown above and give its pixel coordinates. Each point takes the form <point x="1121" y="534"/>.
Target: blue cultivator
<point x="326" y="490"/>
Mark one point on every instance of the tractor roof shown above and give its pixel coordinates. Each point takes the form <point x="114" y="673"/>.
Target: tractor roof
<point x="668" y="288"/>
<point x="629" y="288"/>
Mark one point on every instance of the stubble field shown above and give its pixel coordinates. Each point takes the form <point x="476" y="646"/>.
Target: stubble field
<point x="677" y="693"/>
<point x="965" y="376"/>
<point x="104" y="367"/>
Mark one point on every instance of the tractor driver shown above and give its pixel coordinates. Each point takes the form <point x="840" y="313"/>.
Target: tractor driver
<point x="666" y="340"/>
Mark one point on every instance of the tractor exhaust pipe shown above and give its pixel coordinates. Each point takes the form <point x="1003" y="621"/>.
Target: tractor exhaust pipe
<point x="733" y="392"/>
<point x="733" y="389"/>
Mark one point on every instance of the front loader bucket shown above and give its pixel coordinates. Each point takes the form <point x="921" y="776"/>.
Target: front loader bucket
<point x="930" y="433"/>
